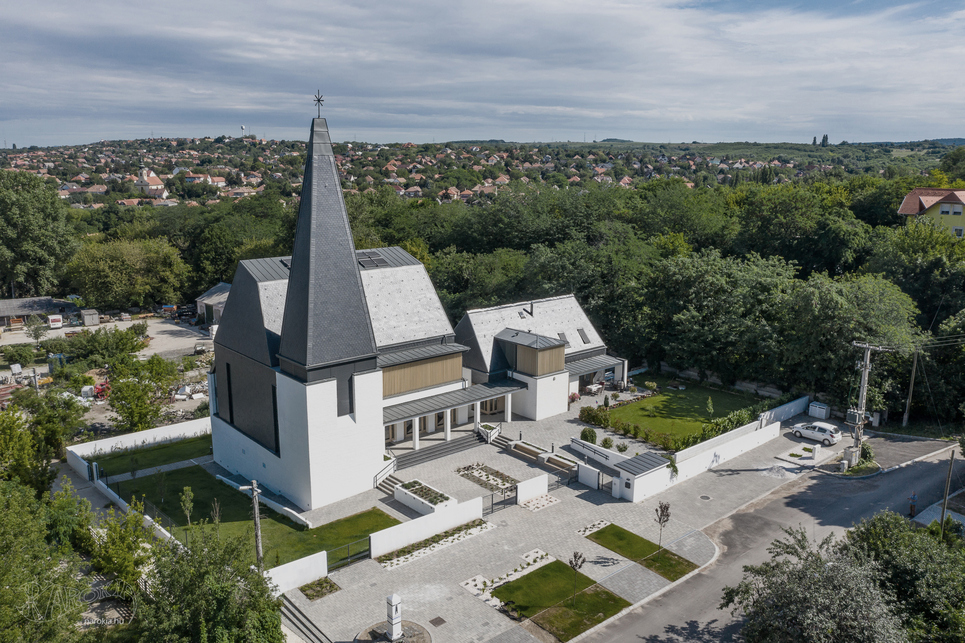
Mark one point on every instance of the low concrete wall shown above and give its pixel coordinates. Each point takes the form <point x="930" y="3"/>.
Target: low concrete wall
<point x="76" y="453"/>
<point x="283" y="510"/>
<point x="397" y="537"/>
<point x="298" y="572"/>
<point x="416" y="503"/>
<point x="588" y="475"/>
<point x="786" y="411"/>
<point x="532" y="488"/>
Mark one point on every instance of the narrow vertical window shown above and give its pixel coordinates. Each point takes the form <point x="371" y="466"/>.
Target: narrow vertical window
<point x="231" y="406"/>
<point x="351" y="394"/>
<point x="274" y="416"/>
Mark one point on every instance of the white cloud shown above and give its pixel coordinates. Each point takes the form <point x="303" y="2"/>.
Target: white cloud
<point x="523" y="70"/>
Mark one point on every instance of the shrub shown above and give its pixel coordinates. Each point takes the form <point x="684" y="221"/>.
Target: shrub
<point x="588" y="435"/>
<point x="574" y="397"/>
<point x="606" y="401"/>
<point x="651" y="385"/>
<point x="633" y="389"/>
<point x="616" y="396"/>
<point x="19" y="354"/>
<point x="607" y="443"/>
<point x="622" y="447"/>
<point x="867" y="453"/>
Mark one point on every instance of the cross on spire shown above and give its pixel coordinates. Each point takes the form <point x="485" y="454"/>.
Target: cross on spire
<point x="318" y="101"/>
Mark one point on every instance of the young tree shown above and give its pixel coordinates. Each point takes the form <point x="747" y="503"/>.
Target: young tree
<point x="216" y="515"/>
<point x="576" y="562"/>
<point x="132" y="402"/>
<point x="710" y="407"/>
<point x="160" y="480"/>
<point x="22" y="456"/>
<point x="35" y="328"/>
<point x="70" y="519"/>
<point x="210" y="591"/>
<point x="187" y="503"/>
<point x="663" y="517"/>
<point x="811" y="593"/>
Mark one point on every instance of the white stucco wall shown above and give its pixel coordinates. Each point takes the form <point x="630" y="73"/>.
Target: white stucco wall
<point x="596" y="452"/>
<point x="413" y="531"/>
<point x="545" y="397"/>
<point x="426" y="392"/>
<point x="588" y="475"/>
<point x="532" y="488"/>
<point x="416" y="503"/>
<point x="298" y="572"/>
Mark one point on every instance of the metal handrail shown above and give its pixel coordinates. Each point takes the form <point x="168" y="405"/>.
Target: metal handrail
<point x="386" y="471"/>
<point x="589" y="447"/>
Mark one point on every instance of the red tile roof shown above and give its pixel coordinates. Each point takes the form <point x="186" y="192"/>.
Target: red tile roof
<point x="920" y="199"/>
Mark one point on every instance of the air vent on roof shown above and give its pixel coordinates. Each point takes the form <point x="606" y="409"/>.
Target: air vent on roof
<point x="521" y="315"/>
<point x="586" y="340"/>
<point x="563" y="337"/>
<point x="287" y="263"/>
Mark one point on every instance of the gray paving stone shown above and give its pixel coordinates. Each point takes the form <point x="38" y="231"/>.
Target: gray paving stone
<point x="634" y="582"/>
<point x="514" y="635"/>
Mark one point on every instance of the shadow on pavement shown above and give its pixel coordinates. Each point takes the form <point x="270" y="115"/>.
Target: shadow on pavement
<point x="695" y="631"/>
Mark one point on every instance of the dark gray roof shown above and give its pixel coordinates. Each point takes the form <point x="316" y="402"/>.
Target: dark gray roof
<point x="642" y="463"/>
<point x="532" y="340"/>
<point x="326" y="319"/>
<point x="215" y="294"/>
<point x="31" y="306"/>
<point x="392" y="257"/>
<point x="416" y="354"/>
<point x="245" y="325"/>
<point x="269" y="269"/>
<point x="450" y="400"/>
<point x="592" y="364"/>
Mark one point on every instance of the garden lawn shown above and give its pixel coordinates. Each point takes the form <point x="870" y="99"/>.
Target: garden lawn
<point x="151" y="457"/>
<point x="282" y="539"/>
<point x="678" y="412"/>
<point x="629" y="545"/>
<point x="546" y="596"/>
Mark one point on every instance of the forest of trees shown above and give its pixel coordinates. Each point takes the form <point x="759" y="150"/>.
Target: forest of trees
<point x="762" y="282"/>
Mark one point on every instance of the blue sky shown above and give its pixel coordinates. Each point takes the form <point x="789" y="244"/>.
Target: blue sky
<point x="523" y="70"/>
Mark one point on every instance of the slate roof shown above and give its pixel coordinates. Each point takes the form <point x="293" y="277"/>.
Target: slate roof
<point x="326" y="319"/>
<point x="252" y="317"/>
<point x="643" y="463"/>
<point x="416" y="354"/>
<point x="547" y="317"/>
<point x="450" y="400"/>
<point x="31" y="306"/>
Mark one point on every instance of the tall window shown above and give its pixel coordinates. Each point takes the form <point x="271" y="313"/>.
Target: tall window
<point x="231" y="406"/>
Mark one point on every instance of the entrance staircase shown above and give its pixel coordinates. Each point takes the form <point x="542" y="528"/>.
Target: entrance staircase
<point x="296" y="620"/>
<point x="428" y="454"/>
<point x="388" y="485"/>
<point x="502" y="442"/>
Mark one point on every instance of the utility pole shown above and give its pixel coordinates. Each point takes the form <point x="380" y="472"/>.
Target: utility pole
<point x="911" y="388"/>
<point x="255" y="492"/>
<point x="948" y="481"/>
<point x="856" y="417"/>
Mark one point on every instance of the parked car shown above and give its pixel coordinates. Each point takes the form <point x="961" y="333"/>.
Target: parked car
<point x="823" y="432"/>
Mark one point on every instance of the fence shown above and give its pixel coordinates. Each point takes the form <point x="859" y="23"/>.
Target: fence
<point x="348" y="554"/>
<point x="561" y="478"/>
<point x="497" y="501"/>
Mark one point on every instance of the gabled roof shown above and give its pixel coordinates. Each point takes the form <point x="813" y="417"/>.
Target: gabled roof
<point x="216" y="294"/>
<point x="920" y="199"/>
<point x="252" y="318"/>
<point x="326" y="319"/>
<point x="546" y="317"/>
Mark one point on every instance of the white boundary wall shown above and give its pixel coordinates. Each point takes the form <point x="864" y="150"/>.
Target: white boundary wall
<point x="397" y="537"/>
<point x="715" y="452"/>
<point x="298" y="572"/>
<point x="532" y="488"/>
<point x="786" y="411"/>
<point x="283" y="510"/>
<point x="588" y="475"/>
<point x="152" y="437"/>
<point x="598" y="453"/>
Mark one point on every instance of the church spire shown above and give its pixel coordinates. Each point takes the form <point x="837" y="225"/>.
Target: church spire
<point x="326" y="319"/>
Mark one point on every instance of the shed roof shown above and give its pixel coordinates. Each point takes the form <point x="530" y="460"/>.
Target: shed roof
<point x="216" y="295"/>
<point x="31" y="306"/>
<point x="450" y="400"/>
<point x="530" y="340"/>
<point x="643" y="463"/>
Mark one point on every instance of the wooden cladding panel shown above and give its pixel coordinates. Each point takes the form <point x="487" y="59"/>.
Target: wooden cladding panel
<point x="423" y="374"/>
<point x="527" y="360"/>
<point x="551" y="360"/>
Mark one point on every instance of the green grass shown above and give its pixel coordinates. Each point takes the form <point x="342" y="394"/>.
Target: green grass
<point x="283" y="540"/>
<point x="647" y="553"/>
<point x="678" y="412"/>
<point x="592" y="606"/>
<point x="151" y="457"/>
<point x="319" y="588"/>
<point x="542" y="588"/>
<point x="864" y="469"/>
<point x="925" y="429"/>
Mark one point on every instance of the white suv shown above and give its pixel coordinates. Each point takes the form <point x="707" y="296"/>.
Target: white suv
<point x="823" y="432"/>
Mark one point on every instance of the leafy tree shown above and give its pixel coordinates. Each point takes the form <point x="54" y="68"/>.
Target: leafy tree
<point x="925" y="575"/>
<point x="125" y="273"/>
<point x="123" y="549"/>
<point x="812" y="593"/>
<point x="212" y="592"/>
<point x="38" y="582"/>
<point x="53" y="416"/>
<point x="953" y="163"/>
<point x="187" y="503"/>
<point x="22" y="354"/>
<point x="133" y="405"/>
<point x="35" y="237"/>
<point x="70" y="519"/>
<point x="23" y="456"/>
<point x="35" y="328"/>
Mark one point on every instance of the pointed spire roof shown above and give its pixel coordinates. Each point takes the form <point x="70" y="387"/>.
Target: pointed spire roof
<point x="326" y="319"/>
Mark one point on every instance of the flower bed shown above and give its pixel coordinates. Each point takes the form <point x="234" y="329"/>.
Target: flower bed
<point x="487" y="477"/>
<point x="319" y="589"/>
<point x="421" y="497"/>
<point x="424" y="491"/>
<point x="429" y="545"/>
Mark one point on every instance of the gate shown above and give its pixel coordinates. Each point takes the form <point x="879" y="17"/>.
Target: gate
<point x="348" y="554"/>
<point x="559" y="479"/>
<point x="90" y="472"/>
<point x="495" y="502"/>
<point x="606" y="483"/>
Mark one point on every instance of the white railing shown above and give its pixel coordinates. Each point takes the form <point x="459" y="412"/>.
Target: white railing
<point x="386" y="471"/>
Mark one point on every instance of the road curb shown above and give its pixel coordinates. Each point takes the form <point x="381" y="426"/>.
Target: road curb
<point x="902" y="435"/>
<point x="659" y="592"/>
<point x="918" y="459"/>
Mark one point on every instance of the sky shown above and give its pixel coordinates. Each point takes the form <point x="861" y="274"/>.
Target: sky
<point x="519" y="70"/>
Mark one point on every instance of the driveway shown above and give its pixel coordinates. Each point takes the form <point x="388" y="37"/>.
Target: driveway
<point x="892" y="450"/>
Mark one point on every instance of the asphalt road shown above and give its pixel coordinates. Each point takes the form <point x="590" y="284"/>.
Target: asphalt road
<point x="822" y="504"/>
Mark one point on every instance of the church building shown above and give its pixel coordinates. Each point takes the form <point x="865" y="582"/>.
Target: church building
<point x="324" y="358"/>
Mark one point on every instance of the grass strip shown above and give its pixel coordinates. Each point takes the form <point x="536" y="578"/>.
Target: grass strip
<point x="141" y="458"/>
<point x="591" y="607"/>
<point x="319" y="588"/>
<point x="647" y="553"/>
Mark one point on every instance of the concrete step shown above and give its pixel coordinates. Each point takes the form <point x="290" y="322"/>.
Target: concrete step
<point x="296" y="620"/>
<point x="388" y="485"/>
<point x="502" y="442"/>
<point x="428" y="454"/>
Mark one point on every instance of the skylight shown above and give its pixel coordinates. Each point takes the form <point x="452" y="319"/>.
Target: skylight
<point x="583" y="335"/>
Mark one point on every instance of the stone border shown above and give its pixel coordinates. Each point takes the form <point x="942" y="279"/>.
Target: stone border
<point x="532" y="560"/>
<point x="442" y="544"/>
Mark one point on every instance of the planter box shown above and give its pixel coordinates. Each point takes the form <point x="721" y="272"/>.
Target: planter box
<point x="528" y="449"/>
<point x="416" y="503"/>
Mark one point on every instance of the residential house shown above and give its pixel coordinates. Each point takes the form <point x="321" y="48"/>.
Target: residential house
<point x="941" y="206"/>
